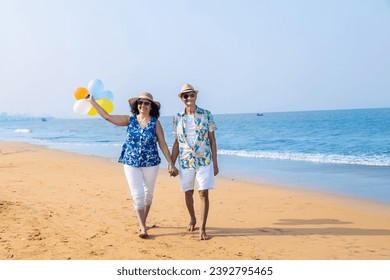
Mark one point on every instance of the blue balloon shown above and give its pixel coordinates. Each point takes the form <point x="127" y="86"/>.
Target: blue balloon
<point x="95" y="87"/>
<point x="105" y="94"/>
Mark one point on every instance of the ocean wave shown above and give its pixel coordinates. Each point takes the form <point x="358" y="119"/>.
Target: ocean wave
<point x="23" y="130"/>
<point x="315" y="158"/>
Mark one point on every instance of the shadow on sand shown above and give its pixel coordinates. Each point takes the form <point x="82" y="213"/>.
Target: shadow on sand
<point x="293" y="227"/>
<point x="317" y="228"/>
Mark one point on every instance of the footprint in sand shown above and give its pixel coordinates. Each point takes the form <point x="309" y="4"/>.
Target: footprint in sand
<point x="35" y="235"/>
<point x="146" y="252"/>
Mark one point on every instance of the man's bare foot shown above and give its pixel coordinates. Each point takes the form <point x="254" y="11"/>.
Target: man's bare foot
<point x="191" y="225"/>
<point x="203" y="236"/>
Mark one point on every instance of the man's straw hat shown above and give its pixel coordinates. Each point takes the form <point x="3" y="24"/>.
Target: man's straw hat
<point x="187" y="88"/>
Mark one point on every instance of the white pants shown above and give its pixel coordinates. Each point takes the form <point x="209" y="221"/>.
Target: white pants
<point x="204" y="177"/>
<point x="141" y="182"/>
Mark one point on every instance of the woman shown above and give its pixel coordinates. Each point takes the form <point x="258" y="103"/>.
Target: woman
<point x="139" y="155"/>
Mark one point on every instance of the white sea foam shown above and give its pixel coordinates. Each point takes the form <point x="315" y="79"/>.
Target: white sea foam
<point x="317" y="158"/>
<point x="23" y="130"/>
<point x="93" y="144"/>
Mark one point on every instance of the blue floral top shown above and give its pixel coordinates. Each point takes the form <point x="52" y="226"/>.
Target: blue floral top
<point x="140" y="147"/>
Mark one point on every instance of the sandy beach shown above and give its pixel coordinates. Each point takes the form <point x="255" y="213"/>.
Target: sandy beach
<point x="58" y="205"/>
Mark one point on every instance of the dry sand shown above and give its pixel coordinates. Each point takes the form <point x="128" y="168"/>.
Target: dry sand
<point x="58" y="205"/>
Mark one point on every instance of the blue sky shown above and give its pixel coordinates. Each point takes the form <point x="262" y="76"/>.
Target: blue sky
<point x="243" y="56"/>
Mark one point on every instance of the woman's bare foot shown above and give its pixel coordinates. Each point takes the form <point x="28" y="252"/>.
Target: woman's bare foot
<point x="152" y="226"/>
<point x="143" y="234"/>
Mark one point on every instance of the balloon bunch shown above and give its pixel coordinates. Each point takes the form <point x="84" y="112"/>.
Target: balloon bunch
<point x="103" y="97"/>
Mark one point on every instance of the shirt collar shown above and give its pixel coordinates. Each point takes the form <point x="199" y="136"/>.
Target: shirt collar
<point x="197" y="111"/>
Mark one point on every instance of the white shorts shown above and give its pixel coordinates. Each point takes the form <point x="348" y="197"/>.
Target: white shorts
<point x="204" y="177"/>
<point x="141" y="182"/>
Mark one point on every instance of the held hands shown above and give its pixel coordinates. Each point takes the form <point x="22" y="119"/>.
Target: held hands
<point x="173" y="171"/>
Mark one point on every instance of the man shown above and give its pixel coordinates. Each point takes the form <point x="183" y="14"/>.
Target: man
<point x="196" y="147"/>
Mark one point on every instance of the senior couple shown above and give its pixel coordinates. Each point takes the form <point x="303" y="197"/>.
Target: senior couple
<point x="194" y="145"/>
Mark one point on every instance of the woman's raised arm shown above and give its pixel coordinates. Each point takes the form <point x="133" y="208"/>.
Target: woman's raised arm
<point x="120" y="120"/>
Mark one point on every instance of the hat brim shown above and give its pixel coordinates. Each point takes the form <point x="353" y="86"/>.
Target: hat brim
<point x="187" y="91"/>
<point x="134" y="99"/>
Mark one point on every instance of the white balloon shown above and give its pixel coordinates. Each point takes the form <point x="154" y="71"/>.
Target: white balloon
<point x="82" y="107"/>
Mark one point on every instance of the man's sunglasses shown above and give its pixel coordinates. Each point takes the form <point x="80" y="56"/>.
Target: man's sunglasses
<point x="186" y="96"/>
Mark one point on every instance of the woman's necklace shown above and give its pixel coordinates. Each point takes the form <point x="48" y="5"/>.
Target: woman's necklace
<point x="143" y="121"/>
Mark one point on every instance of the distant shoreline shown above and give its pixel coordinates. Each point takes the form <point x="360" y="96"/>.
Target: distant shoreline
<point x="72" y="117"/>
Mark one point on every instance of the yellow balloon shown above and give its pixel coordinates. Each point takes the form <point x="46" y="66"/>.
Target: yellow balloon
<point x="80" y="93"/>
<point x="92" y="112"/>
<point x="105" y="104"/>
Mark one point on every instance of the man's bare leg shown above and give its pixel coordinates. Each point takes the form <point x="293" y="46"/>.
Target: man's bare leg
<point x="189" y="197"/>
<point x="204" y="208"/>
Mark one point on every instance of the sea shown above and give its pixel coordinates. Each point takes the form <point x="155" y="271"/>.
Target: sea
<point x="343" y="152"/>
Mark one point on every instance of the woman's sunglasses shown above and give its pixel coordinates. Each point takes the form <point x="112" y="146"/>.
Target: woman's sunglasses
<point x="146" y="103"/>
<point x="185" y="96"/>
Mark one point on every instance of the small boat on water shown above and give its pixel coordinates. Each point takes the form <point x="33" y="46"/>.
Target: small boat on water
<point x="44" y="119"/>
<point x="260" y="114"/>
